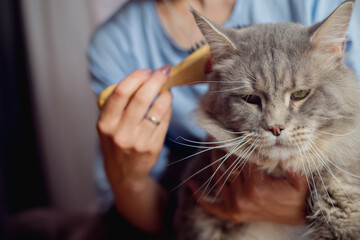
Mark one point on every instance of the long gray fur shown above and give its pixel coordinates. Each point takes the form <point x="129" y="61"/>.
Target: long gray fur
<point x="321" y="138"/>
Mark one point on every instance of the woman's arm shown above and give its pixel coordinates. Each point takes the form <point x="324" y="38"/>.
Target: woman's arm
<point x="131" y="145"/>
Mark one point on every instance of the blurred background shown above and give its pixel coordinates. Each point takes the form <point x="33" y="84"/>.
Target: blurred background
<point x="48" y="113"/>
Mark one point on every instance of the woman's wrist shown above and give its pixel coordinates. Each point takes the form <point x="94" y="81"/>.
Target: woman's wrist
<point x="132" y="185"/>
<point x="142" y="195"/>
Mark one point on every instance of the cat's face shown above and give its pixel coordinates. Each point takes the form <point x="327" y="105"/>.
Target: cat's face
<point x="281" y="89"/>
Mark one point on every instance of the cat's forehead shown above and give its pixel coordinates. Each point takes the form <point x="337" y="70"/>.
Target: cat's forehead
<point x="285" y="36"/>
<point x="269" y="57"/>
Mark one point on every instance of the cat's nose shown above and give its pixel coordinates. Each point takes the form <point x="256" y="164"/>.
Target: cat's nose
<point x="276" y="129"/>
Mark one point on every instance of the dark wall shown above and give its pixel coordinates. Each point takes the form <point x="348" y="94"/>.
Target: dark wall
<point x="21" y="180"/>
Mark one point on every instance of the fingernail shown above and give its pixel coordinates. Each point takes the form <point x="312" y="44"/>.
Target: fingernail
<point x="147" y="71"/>
<point x="165" y="69"/>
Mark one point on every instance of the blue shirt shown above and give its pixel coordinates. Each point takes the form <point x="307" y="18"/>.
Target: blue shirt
<point x="133" y="38"/>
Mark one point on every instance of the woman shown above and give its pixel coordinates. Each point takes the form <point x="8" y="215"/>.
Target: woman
<point x="134" y="128"/>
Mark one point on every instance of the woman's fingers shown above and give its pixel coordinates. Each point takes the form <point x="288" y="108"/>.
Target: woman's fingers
<point x="215" y="208"/>
<point x="228" y="169"/>
<point x="253" y="195"/>
<point x="143" y="98"/>
<point x="221" y="208"/>
<point x="297" y="181"/>
<point x="122" y="117"/>
<point x="157" y="111"/>
<point x="161" y="111"/>
<point x="143" y="136"/>
<point x="122" y="94"/>
<point x="131" y="98"/>
<point x="228" y="179"/>
<point x="162" y="129"/>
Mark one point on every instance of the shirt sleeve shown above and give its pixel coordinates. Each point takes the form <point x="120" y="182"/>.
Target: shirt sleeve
<point x="109" y="61"/>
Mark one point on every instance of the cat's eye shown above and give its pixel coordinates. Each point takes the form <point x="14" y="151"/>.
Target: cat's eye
<point x="299" y="95"/>
<point x="253" y="99"/>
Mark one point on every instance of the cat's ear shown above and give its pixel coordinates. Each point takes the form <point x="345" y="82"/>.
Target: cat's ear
<point x="329" y="35"/>
<point x="215" y="36"/>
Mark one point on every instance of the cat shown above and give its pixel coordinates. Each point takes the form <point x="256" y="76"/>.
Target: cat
<point x="285" y="89"/>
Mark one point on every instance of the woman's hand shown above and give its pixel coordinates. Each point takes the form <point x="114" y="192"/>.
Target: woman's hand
<point x="254" y="196"/>
<point x="131" y="144"/>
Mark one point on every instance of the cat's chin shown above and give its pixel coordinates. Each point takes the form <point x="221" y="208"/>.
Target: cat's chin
<point x="279" y="152"/>
<point x="285" y="156"/>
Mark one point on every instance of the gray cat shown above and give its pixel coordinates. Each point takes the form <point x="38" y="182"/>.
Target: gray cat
<point x="281" y="94"/>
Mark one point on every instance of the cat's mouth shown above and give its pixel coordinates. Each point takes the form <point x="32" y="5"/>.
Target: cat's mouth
<point x="279" y="143"/>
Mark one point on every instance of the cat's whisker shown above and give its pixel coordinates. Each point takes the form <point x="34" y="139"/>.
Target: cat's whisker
<point x="249" y="73"/>
<point x="226" y="90"/>
<point x="336" y="134"/>
<point x="222" y="82"/>
<point x="237" y="148"/>
<point x="194" y="174"/>
<point x="189" y="145"/>
<point x="232" y="132"/>
<point x="336" y="118"/>
<point x="322" y="140"/>
<point x="315" y="188"/>
<point x="308" y="143"/>
<point x="213" y="175"/>
<point x="206" y="147"/>
<point x="246" y="158"/>
<point x="314" y="194"/>
<point x="328" y="160"/>
<point x="252" y="78"/>
<point x="311" y="144"/>
<point x="191" y="156"/>
<point x="241" y="161"/>
<point x="212" y="163"/>
<point x="232" y="143"/>
<point x="238" y="160"/>
<point x="317" y="151"/>
<point x="303" y="163"/>
<point x="209" y="142"/>
<point x="207" y="183"/>
<point x="348" y="173"/>
<point x="322" y="181"/>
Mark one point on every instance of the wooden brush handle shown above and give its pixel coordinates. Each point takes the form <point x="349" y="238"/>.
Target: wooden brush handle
<point x="189" y="71"/>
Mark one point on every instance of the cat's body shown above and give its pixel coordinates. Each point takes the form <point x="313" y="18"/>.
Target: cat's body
<point x="193" y="222"/>
<point x="285" y="97"/>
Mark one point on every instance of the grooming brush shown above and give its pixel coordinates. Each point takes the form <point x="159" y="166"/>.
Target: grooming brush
<point x="191" y="70"/>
